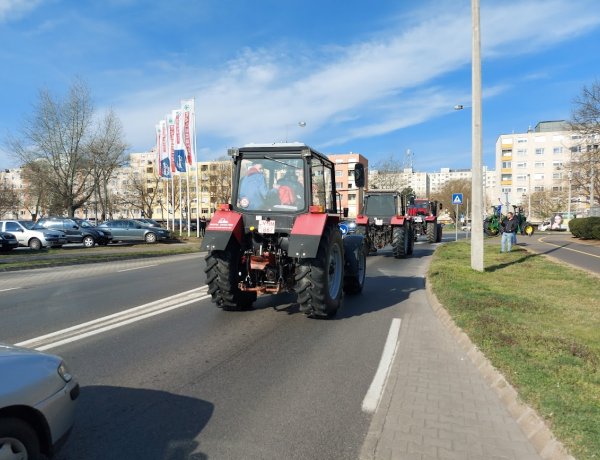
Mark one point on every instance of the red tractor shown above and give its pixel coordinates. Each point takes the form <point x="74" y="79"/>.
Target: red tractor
<point x="280" y="233"/>
<point x="425" y="214"/>
<point x="383" y="221"/>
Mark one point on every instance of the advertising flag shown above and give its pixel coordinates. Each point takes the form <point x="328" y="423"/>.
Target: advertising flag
<point x="179" y="153"/>
<point x="171" y="141"/>
<point x="165" y="163"/>
<point x="187" y="107"/>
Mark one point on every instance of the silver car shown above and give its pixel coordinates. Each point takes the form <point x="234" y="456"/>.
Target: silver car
<point x="33" y="237"/>
<point x="37" y="403"/>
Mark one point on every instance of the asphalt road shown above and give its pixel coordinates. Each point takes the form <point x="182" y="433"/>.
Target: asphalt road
<point x="175" y="377"/>
<point x="562" y="246"/>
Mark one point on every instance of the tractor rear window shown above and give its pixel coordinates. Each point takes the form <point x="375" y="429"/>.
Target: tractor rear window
<point x="380" y="205"/>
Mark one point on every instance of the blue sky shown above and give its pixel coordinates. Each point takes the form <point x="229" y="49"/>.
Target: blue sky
<point x="376" y="77"/>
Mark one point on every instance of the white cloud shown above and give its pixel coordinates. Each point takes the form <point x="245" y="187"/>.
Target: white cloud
<point x="383" y="84"/>
<point x="11" y="10"/>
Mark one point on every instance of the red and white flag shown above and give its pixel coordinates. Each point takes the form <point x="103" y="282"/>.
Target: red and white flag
<point x="187" y="107"/>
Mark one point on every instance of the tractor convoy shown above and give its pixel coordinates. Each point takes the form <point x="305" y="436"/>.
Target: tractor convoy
<point x="280" y="232"/>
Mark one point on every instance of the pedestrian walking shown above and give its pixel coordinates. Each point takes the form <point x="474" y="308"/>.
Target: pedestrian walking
<point x="509" y="227"/>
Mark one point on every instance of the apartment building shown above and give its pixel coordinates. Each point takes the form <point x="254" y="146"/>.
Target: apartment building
<point x="351" y="196"/>
<point x="535" y="161"/>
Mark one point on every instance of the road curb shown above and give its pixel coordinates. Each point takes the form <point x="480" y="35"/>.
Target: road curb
<point x="531" y="423"/>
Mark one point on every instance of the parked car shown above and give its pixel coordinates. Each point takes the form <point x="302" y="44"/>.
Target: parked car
<point x="35" y="238"/>
<point x="133" y="230"/>
<point x="88" y="234"/>
<point x="86" y="224"/>
<point x="38" y="396"/>
<point x="149" y="222"/>
<point x="8" y="242"/>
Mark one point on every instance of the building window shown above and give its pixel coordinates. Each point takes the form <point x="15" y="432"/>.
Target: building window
<point x="522" y="165"/>
<point x="538" y="176"/>
<point x="538" y="188"/>
<point x="506" y="177"/>
<point x="575" y="136"/>
<point x="539" y="164"/>
<point x="352" y="197"/>
<point x="506" y="164"/>
<point x="556" y="175"/>
<point x="557" y="150"/>
<point x="506" y="190"/>
<point x="507" y="153"/>
<point x="557" y="188"/>
<point x="521" y="152"/>
<point x="338" y="185"/>
<point x="521" y="189"/>
<point x="521" y="140"/>
<point x="539" y="151"/>
<point x="521" y="177"/>
<point x="338" y="173"/>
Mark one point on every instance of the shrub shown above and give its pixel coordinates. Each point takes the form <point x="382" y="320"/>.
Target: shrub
<point x="587" y="228"/>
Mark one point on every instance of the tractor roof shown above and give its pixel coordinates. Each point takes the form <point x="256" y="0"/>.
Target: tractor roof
<point x="289" y="148"/>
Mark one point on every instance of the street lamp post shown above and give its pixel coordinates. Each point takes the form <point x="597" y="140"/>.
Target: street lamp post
<point x="569" y="203"/>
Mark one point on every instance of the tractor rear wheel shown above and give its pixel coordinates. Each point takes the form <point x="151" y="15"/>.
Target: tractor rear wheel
<point x="319" y="281"/>
<point x="400" y="242"/>
<point x="431" y="232"/>
<point x="222" y="268"/>
<point x="411" y="240"/>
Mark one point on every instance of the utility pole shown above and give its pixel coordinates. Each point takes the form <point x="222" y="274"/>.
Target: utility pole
<point x="477" y="183"/>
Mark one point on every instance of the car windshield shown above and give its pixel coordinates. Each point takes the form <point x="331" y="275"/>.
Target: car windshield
<point x="271" y="184"/>
<point x="27" y="224"/>
<point x="85" y="224"/>
<point x="37" y="226"/>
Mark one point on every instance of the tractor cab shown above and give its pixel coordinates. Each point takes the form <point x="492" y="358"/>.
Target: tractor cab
<point x="286" y="178"/>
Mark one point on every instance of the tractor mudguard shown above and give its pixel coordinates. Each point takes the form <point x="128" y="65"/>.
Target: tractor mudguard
<point x="362" y="220"/>
<point x="353" y="244"/>
<point x="220" y="229"/>
<point x="430" y="218"/>
<point x="397" y="220"/>
<point x="306" y="235"/>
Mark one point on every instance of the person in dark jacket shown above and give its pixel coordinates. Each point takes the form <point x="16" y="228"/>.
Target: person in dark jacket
<point x="509" y="232"/>
<point x="253" y="188"/>
<point x="291" y="191"/>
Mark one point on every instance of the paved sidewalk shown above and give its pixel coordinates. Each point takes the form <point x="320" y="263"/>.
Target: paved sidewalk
<point x="444" y="401"/>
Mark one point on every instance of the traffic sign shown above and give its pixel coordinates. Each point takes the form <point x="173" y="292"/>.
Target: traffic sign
<point x="457" y="198"/>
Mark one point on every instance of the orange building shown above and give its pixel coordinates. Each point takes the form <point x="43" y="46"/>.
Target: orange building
<point x="351" y="196"/>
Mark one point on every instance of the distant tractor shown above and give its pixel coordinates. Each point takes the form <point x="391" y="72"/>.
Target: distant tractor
<point x="383" y="221"/>
<point x="425" y="219"/>
<point x="280" y="232"/>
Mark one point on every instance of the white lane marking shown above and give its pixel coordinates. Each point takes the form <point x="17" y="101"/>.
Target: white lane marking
<point x="9" y="289"/>
<point x="106" y="323"/>
<point x="373" y="396"/>
<point x="136" y="268"/>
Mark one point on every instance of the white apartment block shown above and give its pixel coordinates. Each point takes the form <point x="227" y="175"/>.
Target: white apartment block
<point x="536" y="160"/>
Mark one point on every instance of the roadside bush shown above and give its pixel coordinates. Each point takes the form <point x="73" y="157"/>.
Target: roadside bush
<point x="587" y="228"/>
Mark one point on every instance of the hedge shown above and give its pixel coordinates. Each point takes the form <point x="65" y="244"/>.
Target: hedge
<point x="587" y="228"/>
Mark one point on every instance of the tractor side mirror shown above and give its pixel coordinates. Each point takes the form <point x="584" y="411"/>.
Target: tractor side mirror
<point x="359" y="174"/>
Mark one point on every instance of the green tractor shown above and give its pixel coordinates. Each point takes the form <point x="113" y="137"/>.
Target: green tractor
<point x="491" y="224"/>
<point x="525" y="228"/>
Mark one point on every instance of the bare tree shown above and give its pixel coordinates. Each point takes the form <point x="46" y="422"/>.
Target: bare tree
<point x="444" y="195"/>
<point x="9" y="198"/>
<point x="547" y="203"/>
<point x="141" y="193"/>
<point x="388" y="174"/>
<point x="107" y="153"/>
<point x="61" y="133"/>
<point x="37" y="194"/>
<point x="219" y="182"/>
<point x="585" y="158"/>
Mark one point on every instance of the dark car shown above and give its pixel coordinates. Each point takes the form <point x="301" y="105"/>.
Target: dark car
<point x="133" y="230"/>
<point x="8" y="242"/>
<point x="86" y="224"/>
<point x="88" y="235"/>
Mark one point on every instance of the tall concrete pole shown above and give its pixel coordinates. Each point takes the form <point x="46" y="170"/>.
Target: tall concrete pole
<point x="476" y="169"/>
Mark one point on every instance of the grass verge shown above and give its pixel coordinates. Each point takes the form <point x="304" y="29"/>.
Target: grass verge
<point x="24" y="260"/>
<point x="538" y="322"/>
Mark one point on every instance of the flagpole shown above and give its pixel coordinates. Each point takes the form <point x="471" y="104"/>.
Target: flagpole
<point x="198" y="191"/>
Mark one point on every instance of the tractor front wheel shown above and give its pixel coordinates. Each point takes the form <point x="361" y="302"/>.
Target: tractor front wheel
<point x="319" y="281"/>
<point x="222" y="269"/>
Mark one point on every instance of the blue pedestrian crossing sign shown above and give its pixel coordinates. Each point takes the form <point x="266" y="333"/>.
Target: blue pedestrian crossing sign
<point x="457" y="198"/>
